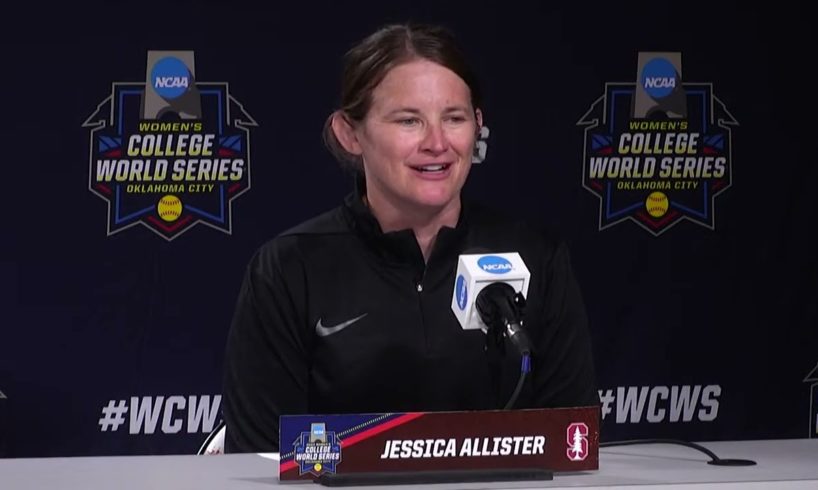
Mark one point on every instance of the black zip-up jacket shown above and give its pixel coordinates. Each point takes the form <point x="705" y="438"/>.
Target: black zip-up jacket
<point x="335" y="316"/>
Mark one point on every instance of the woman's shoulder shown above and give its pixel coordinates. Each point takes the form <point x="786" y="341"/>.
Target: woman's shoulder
<point x="315" y="232"/>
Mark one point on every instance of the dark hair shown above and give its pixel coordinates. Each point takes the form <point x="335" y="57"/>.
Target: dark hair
<point x="368" y="62"/>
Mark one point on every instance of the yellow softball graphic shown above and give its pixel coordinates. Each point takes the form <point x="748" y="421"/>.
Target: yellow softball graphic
<point x="317" y="466"/>
<point x="169" y="208"/>
<point x="656" y="204"/>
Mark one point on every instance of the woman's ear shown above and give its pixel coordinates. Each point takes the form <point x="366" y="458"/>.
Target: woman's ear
<point x="478" y="114"/>
<point x="345" y="133"/>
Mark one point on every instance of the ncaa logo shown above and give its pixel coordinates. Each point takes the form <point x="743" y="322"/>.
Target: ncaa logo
<point x="318" y="432"/>
<point x="494" y="264"/>
<point x="461" y="292"/>
<point x="658" y="78"/>
<point x="170" y="78"/>
<point x="577" y="439"/>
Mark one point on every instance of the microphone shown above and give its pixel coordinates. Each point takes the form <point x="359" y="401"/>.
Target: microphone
<point x="501" y="308"/>
<point x="475" y="272"/>
<point x="489" y="294"/>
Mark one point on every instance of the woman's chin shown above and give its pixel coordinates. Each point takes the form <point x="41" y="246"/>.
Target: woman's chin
<point x="435" y="200"/>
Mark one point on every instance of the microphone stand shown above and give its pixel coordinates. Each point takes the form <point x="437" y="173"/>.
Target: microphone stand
<point x="501" y="309"/>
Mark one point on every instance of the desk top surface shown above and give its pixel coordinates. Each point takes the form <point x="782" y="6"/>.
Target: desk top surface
<point x="786" y="464"/>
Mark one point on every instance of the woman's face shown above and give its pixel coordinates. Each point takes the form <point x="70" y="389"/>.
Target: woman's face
<point x="418" y="137"/>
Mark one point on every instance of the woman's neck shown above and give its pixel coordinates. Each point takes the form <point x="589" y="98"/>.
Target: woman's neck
<point x="425" y="222"/>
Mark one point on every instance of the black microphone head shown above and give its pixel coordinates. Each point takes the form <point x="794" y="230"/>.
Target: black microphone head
<point x="500" y="308"/>
<point x="495" y="304"/>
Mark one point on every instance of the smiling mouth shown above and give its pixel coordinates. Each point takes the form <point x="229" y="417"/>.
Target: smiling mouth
<point x="437" y="168"/>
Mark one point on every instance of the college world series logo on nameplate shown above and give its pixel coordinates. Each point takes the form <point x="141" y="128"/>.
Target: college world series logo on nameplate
<point x="169" y="153"/>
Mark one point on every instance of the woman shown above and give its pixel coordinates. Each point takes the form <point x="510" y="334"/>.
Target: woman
<point x="350" y="311"/>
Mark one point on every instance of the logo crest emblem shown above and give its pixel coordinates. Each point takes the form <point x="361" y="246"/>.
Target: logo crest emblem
<point x="317" y="451"/>
<point x="577" y="439"/>
<point x="169" y="153"/>
<point x="657" y="151"/>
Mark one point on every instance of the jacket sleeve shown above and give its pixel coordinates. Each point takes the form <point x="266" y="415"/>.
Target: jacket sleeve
<point x="563" y="367"/>
<point x="266" y="364"/>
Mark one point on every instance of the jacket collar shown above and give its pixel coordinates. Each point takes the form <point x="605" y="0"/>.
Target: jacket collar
<point x="399" y="246"/>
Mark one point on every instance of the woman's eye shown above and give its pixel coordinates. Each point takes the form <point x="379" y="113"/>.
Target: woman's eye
<point x="409" y="121"/>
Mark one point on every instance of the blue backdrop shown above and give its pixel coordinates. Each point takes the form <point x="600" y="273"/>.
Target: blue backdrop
<point x="113" y="344"/>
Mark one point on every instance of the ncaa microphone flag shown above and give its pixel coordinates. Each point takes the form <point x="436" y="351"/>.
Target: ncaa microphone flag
<point x="476" y="271"/>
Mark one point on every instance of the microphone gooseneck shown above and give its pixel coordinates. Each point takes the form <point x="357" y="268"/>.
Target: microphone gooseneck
<point x="501" y="309"/>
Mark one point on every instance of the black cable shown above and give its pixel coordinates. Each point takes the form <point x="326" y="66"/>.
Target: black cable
<point x="501" y="309"/>
<point x="715" y="460"/>
<point x="525" y="368"/>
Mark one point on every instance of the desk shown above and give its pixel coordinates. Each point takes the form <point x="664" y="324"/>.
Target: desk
<point x="782" y="464"/>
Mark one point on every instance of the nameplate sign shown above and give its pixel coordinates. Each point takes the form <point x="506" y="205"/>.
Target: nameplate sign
<point x="557" y="439"/>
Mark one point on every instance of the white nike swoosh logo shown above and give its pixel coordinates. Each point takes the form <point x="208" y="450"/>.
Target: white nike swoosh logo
<point x="323" y="331"/>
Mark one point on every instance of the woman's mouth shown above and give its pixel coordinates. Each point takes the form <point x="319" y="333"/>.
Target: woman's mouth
<point x="436" y="168"/>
